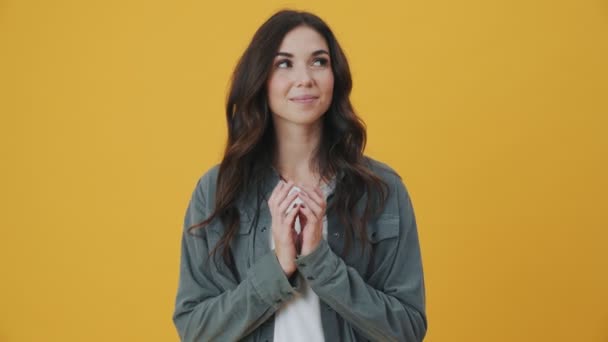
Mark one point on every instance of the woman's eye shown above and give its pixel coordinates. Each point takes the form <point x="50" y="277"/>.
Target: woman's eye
<point x="320" y="62"/>
<point x="283" y="64"/>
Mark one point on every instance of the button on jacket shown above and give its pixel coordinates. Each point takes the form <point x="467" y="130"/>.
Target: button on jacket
<point x="378" y="295"/>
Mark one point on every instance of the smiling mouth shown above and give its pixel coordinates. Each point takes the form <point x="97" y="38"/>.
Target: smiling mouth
<point x="307" y="99"/>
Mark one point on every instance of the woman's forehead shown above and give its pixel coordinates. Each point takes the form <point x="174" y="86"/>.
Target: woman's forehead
<point x="303" y="40"/>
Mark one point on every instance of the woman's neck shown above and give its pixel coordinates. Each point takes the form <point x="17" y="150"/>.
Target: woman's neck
<point x="294" y="152"/>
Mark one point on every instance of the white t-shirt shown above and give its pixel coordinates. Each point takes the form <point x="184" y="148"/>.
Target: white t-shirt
<point x="299" y="319"/>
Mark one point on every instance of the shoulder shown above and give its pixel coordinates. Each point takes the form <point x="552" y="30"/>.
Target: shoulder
<point x="209" y="177"/>
<point x="383" y="170"/>
<point x="398" y="191"/>
<point x="205" y="187"/>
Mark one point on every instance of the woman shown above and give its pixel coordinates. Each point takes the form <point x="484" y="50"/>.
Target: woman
<point x="296" y="235"/>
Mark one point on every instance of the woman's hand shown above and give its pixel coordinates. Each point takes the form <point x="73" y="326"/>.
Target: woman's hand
<point x="283" y="231"/>
<point x="311" y="215"/>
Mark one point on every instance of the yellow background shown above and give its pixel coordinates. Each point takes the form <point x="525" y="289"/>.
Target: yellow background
<point x="494" y="112"/>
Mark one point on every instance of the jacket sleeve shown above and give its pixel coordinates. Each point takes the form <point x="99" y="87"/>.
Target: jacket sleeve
<point x="210" y="308"/>
<point x="394" y="312"/>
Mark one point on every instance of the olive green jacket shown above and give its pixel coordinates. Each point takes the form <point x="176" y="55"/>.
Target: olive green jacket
<point x="378" y="295"/>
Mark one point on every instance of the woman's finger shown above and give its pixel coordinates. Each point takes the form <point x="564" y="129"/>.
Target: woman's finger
<point x="285" y="227"/>
<point x="311" y="217"/>
<point x="283" y="206"/>
<point x="317" y="208"/>
<point x="277" y="195"/>
<point x="291" y="217"/>
<point x="280" y="197"/>
<point x="313" y="207"/>
<point x="314" y="195"/>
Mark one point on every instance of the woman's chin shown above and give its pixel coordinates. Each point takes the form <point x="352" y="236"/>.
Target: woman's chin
<point x="301" y="118"/>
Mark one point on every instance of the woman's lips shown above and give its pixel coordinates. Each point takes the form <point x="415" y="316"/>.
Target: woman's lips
<point x="304" y="99"/>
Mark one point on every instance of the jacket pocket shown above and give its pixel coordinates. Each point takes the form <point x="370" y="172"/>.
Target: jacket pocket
<point x="230" y="273"/>
<point x="382" y="235"/>
<point x="386" y="227"/>
<point x="384" y="238"/>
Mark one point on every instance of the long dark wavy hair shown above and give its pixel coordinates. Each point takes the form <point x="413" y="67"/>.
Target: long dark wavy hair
<point x="248" y="154"/>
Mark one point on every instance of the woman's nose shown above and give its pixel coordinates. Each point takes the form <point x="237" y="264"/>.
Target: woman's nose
<point x="303" y="77"/>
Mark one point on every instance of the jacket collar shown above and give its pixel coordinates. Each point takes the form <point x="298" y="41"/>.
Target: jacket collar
<point x="272" y="177"/>
<point x="265" y="186"/>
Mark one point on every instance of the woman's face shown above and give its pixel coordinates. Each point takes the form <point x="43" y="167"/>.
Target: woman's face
<point x="301" y="82"/>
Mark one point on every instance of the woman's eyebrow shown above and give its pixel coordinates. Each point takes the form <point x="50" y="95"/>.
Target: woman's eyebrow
<point x="290" y="55"/>
<point x="320" y="52"/>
